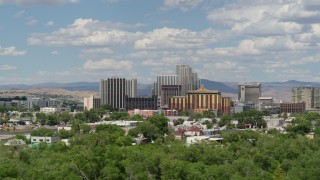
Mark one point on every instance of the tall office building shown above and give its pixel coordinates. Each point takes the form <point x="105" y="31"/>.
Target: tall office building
<point x="309" y="95"/>
<point x="131" y="88"/>
<point x="168" y="91"/>
<point x="187" y="79"/>
<point x="113" y="91"/>
<point x="163" y="80"/>
<point x="249" y="94"/>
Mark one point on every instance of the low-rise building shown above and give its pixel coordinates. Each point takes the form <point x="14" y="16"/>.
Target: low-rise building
<point x="46" y="139"/>
<point x="48" y="110"/>
<point x="292" y="107"/>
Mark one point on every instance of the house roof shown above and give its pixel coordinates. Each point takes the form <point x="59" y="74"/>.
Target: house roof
<point x="194" y="128"/>
<point x="15" y="142"/>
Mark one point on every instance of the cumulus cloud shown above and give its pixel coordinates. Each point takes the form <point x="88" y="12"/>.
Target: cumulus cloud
<point x="108" y="64"/>
<point x="11" y="51"/>
<point x="265" y="17"/>
<point x="20" y="14"/>
<point x="183" y="5"/>
<point x="55" y="52"/>
<point x="50" y="23"/>
<point x="95" y="52"/>
<point x="37" y="2"/>
<point x="89" y="32"/>
<point x="166" y="38"/>
<point x="7" y="67"/>
<point x="84" y="32"/>
<point x="31" y="21"/>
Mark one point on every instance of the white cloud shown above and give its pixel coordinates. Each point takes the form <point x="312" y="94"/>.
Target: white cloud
<point x="85" y="32"/>
<point x="89" y="32"/>
<point x="108" y="64"/>
<point x="50" y="23"/>
<point x="55" y="52"/>
<point x="167" y="38"/>
<point x="259" y="17"/>
<point x="7" y="67"/>
<point x="11" y="51"/>
<point x="279" y="43"/>
<point x="96" y="52"/>
<point x="183" y="5"/>
<point x="37" y="2"/>
<point x="20" y="14"/>
<point x="312" y="36"/>
<point x="31" y="21"/>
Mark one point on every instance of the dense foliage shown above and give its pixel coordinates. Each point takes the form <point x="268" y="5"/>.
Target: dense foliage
<point x="108" y="154"/>
<point x="305" y="123"/>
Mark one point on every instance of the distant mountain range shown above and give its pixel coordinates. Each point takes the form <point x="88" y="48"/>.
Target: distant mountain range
<point x="277" y="90"/>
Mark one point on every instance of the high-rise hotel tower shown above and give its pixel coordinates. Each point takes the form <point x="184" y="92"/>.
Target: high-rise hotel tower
<point x="187" y="79"/>
<point x="113" y="91"/>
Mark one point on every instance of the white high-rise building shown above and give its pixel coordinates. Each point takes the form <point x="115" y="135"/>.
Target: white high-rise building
<point x="309" y="95"/>
<point x="164" y="80"/>
<point x="113" y="91"/>
<point x="131" y="88"/>
<point x="187" y="79"/>
<point x="249" y="94"/>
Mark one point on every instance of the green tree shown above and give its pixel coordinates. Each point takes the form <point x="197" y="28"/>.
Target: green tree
<point x="23" y="137"/>
<point x="65" y="117"/>
<point x="178" y="121"/>
<point x="278" y="173"/>
<point x="197" y="116"/>
<point x="42" y="118"/>
<point x="119" y="116"/>
<point x="36" y="108"/>
<point x="42" y="131"/>
<point x="64" y="134"/>
<point x="136" y="117"/>
<point x="52" y="119"/>
<point x="184" y="113"/>
<point x="85" y="128"/>
<point x="161" y="122"/>
<point x="209" y="114"/>
<point x="110" y="128"/>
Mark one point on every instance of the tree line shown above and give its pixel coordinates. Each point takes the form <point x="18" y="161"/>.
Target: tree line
<point x="109" y="154"/>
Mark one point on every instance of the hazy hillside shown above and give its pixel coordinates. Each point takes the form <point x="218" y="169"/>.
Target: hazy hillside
<point x="220" y="86"/>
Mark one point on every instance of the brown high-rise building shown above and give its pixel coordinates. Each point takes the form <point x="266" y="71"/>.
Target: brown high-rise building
<point x="168" y="91"/>
<point x="178" y="103"/>
<point x="201" y="100"/>
<point x="226" y="104"/>
<point x="204" y="100"/>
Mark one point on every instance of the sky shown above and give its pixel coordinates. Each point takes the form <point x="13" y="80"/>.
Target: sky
<point x="222" y="40"/>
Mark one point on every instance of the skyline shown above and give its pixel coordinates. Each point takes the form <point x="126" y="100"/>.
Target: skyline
<point x="230" y="41"/>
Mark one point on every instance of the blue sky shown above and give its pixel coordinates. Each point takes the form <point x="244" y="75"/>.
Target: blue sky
<point x="223" y="40"/>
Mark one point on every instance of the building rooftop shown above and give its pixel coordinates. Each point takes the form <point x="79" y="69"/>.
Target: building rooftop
<point x="204" y="90"/>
